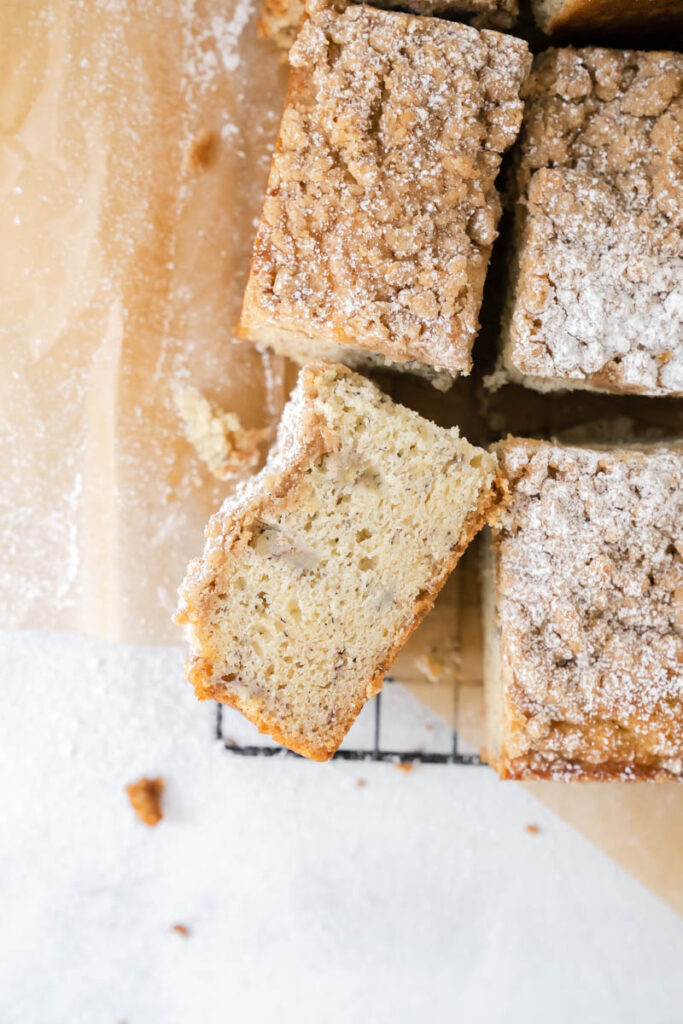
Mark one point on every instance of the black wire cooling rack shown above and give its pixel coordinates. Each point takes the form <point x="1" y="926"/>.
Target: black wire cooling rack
<point x="376" y="749"/>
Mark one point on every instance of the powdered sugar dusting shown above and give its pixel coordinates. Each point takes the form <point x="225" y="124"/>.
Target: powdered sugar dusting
<point x="599" y="299"/>
<point x="381" y="208"/>
<point x="590" y="584"/>
<point x="215" y="44"/>
<point x="129" y="195"/>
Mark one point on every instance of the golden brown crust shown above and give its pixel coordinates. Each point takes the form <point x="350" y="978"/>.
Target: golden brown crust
<point x="579" y="771"/>
<point x="601" y="16"/>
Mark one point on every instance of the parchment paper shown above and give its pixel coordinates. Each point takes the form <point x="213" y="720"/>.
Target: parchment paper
<point x="135" y="137"/>
<point x="134" y="142"/>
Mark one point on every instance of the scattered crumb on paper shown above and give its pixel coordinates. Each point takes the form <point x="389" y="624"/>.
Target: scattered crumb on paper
<point x="145" y="798"/>
<point x="218" y="436"/>
<point x="181" y="929"/>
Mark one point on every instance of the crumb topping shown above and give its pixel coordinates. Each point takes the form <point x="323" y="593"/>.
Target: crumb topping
<point x="280" y="18"/>
<point x="381" y="208"/>
<point x="590" y="588"/>
<point x="600" y="181"/>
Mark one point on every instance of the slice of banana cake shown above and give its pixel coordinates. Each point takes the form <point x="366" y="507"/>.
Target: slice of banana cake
<point x="316" y="572"/>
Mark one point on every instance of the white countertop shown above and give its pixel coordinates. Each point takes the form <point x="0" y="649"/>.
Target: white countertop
<point x="418" y="897"/>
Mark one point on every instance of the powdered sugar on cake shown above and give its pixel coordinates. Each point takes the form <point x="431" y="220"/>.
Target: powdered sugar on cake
<point x="381" y="208"/>
<point x="599" y="298"/>
<point x="590" y="585"/>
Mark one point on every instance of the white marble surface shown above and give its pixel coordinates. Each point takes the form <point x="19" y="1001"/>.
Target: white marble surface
<point x="419" y="897"/>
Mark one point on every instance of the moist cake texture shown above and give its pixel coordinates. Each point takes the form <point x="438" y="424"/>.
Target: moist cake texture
<point x="280" y="18"/>
<point x="316" y="572"/>
<point x="600" y="16"/>
<point x="596" y="299"/>
<point x="584" y="619"/>
<point x="381" y="207"/>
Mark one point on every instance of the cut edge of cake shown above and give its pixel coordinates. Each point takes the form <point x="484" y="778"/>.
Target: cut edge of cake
<point x="305" y="441"/>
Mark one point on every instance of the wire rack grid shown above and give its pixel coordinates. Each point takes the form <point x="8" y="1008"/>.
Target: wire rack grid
<point x="378" y="745"/>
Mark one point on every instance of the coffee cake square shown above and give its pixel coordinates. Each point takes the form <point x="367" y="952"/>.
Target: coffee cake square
<point x="381" y="206"/>
<point x="584" y="614"/>
<point x="596" y="294"/>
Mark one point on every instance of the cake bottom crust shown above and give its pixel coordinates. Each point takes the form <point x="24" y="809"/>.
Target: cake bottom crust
<point x="526" y="769"/>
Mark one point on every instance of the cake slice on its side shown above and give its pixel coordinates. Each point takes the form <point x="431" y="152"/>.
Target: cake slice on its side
<point x="316" y="572"/>
<point x="601" y="16"/>
<point x="584" y="614"/>
<point x="381" y="208"/>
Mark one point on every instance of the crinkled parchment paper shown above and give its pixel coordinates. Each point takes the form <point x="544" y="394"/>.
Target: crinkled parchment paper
<point x="135" y="137"/>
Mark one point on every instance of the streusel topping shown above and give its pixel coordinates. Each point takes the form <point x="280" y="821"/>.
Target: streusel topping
<point x="600" y="219"/>
<point x="381" y="207"/>
<point x="590" y="603"/>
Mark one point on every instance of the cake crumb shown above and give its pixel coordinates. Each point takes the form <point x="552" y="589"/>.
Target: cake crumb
<point x="301" y="555"/>
<point x="361" y="783"/>
<point x="533" y="830"/>
<point x="181" y="929"/>
<point x="218" y="437"/>
<point x="404" y="766"/>
<point x="431" y="666"/>
<point x="145" y="798"/>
